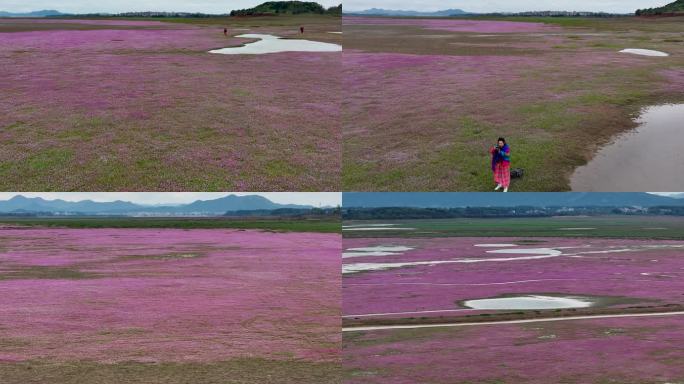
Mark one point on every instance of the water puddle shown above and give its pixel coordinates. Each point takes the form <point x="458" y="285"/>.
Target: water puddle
<point x="644" y="52"/>
<point x="336" y="33"/>
<point x="529" y="302"/>
<point x="576" y="229"/>
<point x="376" y="251"/>
<point x="522" y="254"/>
<point x="648" y="158"/>
<point x="274" y="44"/>
<point x="495" y="245"/>
<point x="548" y="252"/>
<point x="528" y="254"/>
<point x="382" y="248"/>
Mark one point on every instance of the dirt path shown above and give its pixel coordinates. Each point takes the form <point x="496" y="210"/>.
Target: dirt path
<point x="415" y="326"/>
<point x="408" y="313"/>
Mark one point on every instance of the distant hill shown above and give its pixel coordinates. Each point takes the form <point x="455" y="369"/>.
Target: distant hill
<point x="486" y="199"/>
<point x="394" y="12"/>
<point x="287" y="8"/>
<point x="236" y="203"/>
<point x="43" y="13"/>
<point x="460" y="12"/>
<point x="673" y="8"/>
<point x="230" y="203"/>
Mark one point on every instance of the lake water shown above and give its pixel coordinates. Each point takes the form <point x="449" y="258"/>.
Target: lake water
<point x="274" y="44"/>
<point x="647" y="158"/>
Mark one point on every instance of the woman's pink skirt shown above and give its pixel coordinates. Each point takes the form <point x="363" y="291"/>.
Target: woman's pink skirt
<point x="502" y="173"/>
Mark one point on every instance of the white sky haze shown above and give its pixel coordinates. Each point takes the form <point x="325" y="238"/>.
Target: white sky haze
<point x="482" y="6"/>
<point x="156" y="198"/>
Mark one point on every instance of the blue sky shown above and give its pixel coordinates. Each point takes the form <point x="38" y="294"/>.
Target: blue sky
<point x="618" y="6"/>
<point x="304" y="198"/>
<point x="111" y="6"/>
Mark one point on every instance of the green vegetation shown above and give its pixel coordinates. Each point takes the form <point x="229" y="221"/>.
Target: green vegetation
<point x="268" y="224"/>
<point x="403" y="213"/>
<point x="676" y="7"/>
<point x="642" y="227"/>
<point x="618" y="23"/>
<point x="287" y="8"/>
<point x="46" y="272"/>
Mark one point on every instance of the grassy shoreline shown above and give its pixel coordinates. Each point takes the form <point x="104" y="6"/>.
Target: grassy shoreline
<point x="267" y="224"/>
<point x="627" y="227"/>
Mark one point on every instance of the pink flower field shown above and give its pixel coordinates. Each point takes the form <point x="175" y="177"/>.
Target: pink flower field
<point x="420" y="281"/>
<point x="110" y="296"/>
<point x="123" y="105"/>
<point x="425" y="98"/>
<point x="624" y="351"/>
<point x="451" y="270"/>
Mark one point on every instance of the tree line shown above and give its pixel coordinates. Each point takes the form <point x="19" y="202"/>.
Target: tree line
<point x="287" y="8"/>
<point x="399" y="213"/>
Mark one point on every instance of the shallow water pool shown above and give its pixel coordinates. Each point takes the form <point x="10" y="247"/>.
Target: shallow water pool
<point x="274" y="44"/>
<point x="647" y="158"/>
<point x="529" y="302"/>
<point x="644" y="52"/>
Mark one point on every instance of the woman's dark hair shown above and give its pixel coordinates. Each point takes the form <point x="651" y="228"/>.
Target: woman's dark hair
<point x="502" y="139"/>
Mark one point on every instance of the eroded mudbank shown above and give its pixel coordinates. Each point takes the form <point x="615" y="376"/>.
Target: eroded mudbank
<point x="274" y="44"/>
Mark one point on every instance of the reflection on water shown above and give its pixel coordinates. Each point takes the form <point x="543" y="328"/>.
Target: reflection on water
<point x="648" y="158"/>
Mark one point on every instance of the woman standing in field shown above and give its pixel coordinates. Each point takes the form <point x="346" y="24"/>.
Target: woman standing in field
<point x="501" y="164"/>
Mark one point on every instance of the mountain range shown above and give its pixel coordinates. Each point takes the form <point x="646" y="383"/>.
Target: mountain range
<point x="488" y="199"/>
<point x="43" y="13"/>
<point x="220" y="206"/>
<point x="395" y="12"/>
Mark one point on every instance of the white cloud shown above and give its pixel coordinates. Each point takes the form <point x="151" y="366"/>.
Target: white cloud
<point x="86" y="6"/>
<point x="618" y="6"/>
<point x="304" y="198"/>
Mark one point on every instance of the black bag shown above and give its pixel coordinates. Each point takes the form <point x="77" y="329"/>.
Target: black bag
<point x="517" y="173"/>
